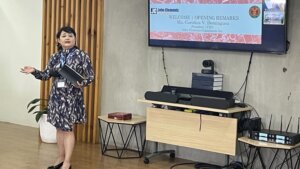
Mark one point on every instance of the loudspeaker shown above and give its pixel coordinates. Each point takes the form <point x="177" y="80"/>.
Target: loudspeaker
<point x="200" y="92"/>
<point x="212" y="102"/>
<point x="162" y="97"/>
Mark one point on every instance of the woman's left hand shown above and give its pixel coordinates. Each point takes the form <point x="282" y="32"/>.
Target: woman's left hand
<point x="78" y="85"/>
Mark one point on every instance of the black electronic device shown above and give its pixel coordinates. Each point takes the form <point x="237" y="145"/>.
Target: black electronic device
<point x="162" y="97"/>
<point x="279" y="137"/>
<point x="207" y="81"/>
<point x="208" y="63"/>
<point x="213" y="102"/>
<point x="194" y="92"/>
<point x="255" y="26"/>
<point x="249" y="124"/>
<point x="273" y="136"/>
<point x="70" y="74"/>
<point x="192" y="96"/>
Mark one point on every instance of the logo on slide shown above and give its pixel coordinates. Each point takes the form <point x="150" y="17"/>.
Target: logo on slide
<point x="254" y="11"/>
<point x="153" y="11"/>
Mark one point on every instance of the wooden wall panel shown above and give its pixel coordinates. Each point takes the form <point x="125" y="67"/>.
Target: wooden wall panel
<point x="86" y="17"/>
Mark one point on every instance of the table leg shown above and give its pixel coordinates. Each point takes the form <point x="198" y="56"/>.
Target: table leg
<point x="261" y="159"/>
<point x="274" y="158"/>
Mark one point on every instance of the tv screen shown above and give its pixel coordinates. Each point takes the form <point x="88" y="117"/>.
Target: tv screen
<point x="242" y="25"/>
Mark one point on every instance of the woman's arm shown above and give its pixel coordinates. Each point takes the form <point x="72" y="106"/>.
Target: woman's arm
<point x="87" y="71"/>
<point x="42" y="75"/>
<point x="27" y="69"/>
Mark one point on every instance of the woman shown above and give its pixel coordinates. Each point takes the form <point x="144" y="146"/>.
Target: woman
<point x="65" y="105"/>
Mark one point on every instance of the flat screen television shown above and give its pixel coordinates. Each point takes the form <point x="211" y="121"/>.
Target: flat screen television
<point x="241" y="25"/>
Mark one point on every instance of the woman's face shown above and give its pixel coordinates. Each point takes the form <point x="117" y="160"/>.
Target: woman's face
<point x="66" y="40"/>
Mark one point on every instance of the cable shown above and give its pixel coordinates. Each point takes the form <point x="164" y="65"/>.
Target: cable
<point x="248" y="71"/>
<point x="246" y="79"/>
<point x="175" y="165"/>
<point x="200" y="122"/>
<point x="164" y="64"/>
<point x="199" y="165"/>
<point x="235" y="95"/>
<point x="235" y="165"/>
<point x="206" y="165"/>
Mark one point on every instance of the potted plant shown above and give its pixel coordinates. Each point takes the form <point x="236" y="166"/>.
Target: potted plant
<point x="47" y="130"/>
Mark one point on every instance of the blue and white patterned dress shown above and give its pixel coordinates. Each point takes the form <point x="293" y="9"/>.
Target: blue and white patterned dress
<point x="66" y="105"/>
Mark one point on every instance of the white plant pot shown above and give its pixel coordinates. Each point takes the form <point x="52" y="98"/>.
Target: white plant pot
<point x="47" y="130"/>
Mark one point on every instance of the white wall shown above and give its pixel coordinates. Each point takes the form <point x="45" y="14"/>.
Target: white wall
<point x="131" y="67"/>
<point x="21" y="39"/>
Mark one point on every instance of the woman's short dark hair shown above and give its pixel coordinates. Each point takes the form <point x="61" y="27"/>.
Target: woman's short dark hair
<point x="67" y="29"/>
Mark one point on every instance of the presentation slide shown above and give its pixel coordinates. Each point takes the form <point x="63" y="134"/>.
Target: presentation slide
<point x="224" y="21"/>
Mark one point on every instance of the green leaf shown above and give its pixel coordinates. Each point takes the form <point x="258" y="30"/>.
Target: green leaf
<point x="32" y="108"/>
<point x="38" y="116"/>
<point x="33" y="102"/>
<point x="40" y="111"/>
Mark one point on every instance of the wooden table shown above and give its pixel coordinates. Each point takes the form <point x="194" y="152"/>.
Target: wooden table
<point x="204" y="132"/>
<point x="257" y="145"/>
<point x="107" y="135"/>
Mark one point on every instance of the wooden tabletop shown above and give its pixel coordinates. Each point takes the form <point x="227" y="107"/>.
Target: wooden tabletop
<point x="225" y="111"/>
<point x="264" y="144"/>
<point x="136" y="119"/>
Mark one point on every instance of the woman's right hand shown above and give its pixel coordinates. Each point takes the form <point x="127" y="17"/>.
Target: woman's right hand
<point x="27" y="69"/>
